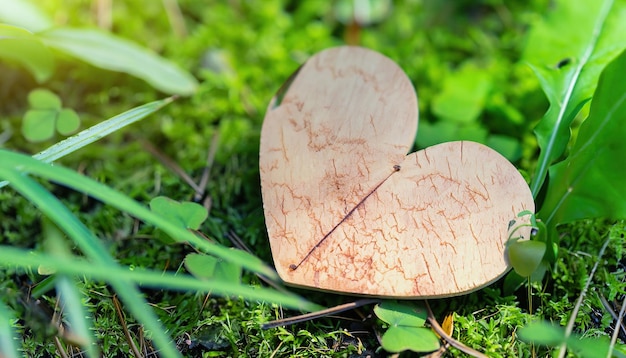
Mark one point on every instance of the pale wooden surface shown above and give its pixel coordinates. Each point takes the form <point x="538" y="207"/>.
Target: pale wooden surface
<point x="434" y="228"/>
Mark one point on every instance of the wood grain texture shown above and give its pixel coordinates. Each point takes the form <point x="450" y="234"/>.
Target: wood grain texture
<point x="347" y="209"/>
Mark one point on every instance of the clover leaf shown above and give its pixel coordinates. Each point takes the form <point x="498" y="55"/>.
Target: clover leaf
<point x="46" y="115"/>
<point x="186" y="214"/>
<point x="211" y="267"/>
<point x="406" y="328"/>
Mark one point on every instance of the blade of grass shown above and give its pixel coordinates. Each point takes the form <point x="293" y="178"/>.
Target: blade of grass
<point x="73" y="311"/>
<point x="76" y="314"/>
<point x="58" y="213"/>
<point x="8" y="348"/>
<point x="572" y="318"/>
<point x="66" y="177"/>
<point x="98" y="131"/>
<point x="148" y="278"/>
<point x="618" y="325"/>
<point x="64" y="219"/>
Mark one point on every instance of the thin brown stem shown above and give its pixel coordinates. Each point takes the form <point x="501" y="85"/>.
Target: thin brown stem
<point x="318" y="314"/>
<point x="129" y="338"/>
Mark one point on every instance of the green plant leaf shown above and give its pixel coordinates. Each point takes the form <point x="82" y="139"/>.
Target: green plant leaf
<point x="463" y="95"/>
<point x="67" y="121"/>
<point x="38" y="124"/>
<point x="526" y="255"/>
<point x="45" y="115"/>
<point x="594" y="41"/>
<point x="590" y="182"/>
<point x="543" y="333"/>
<point x="397" y="314"/>
<point x="399" y="339"/>
<point x="23" y="13"/>
<point x="406" y="328"/>
<point x="589" y="347"/>
<point x="21" y="46"/>
<point x="113" y="53"/>
<point x="509" y="147"/>
<point x="547" y="334"/>
<point x="430" y="134"/>
<point x="187" y="214"/>
<point x="213" y="268"/>
<point x="41" y="98"/>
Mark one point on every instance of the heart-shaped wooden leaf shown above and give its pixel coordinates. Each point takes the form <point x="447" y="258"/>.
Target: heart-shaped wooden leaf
<point x="347" y="209"/>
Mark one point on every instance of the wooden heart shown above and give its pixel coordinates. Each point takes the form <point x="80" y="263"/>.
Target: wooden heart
<point x="347" y="209"/>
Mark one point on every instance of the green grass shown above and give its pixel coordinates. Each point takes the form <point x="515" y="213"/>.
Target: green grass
<point x="257" y="45"/>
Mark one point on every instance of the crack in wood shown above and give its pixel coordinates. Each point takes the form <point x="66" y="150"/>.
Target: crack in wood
<point x="293" y="267"/>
